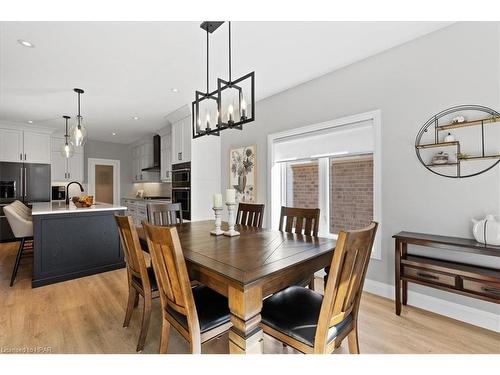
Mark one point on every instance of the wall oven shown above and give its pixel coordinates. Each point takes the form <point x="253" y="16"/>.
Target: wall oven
<point x="183" y="196"/>
<point x="181" y="187"/>
<point x="181" y="175"/>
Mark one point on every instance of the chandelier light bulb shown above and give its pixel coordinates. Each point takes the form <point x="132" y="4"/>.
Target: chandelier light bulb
<point x="243" y="109"/>
<point x="208" y="120"/>
<point x="230" y="111"/>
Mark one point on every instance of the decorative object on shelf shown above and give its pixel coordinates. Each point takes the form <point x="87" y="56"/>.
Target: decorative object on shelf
<point x="67" y="149"/>
<point x="449" y="138"/>
<point x="78" y="132"/>
<point x="231" y="207"/>
<point x="479" y="117"/>
<point x="458" y="119"/>
<point x="440" y="158"/>
<point x="242" y="164"/>
<point x="487" y="230"/>
<point x="83" y="201"/>
<point x="218" y="110"/>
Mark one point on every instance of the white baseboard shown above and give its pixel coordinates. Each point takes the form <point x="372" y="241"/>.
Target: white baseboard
<point x="453" y="310"/>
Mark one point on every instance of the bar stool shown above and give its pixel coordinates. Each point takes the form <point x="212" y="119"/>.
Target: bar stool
<point x="20" y="221"/>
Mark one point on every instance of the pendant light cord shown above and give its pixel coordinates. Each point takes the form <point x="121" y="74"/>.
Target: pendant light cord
<point x="79" y="117"/>
<point x="66" y="135"/>
<point x="229" y="51"/>
<point x="208" y="49"/>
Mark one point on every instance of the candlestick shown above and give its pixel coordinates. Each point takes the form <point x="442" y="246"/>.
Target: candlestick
<point x="230" y="196"/>
<point x="231" y="220"/>
<point x="218" y="200"/>
<point x="218" y="221"/>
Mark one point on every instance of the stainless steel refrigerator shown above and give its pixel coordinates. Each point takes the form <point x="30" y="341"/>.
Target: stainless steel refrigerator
<point x="26" y="182"/>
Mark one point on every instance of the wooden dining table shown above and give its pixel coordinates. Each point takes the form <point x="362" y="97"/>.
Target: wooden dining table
<point x="248" y="268"/>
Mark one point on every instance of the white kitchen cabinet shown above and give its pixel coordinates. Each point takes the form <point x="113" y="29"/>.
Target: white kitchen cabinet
<point x="166" y="158"/>
<point x="142" y="157"/>
<point x="58" y="166"/>
<point x="11" y="145"/>
<point x="181" y="141"/>
<point x="25" y="146"/>
<point x="75" y="167"/>
<point x="62" y="169"/>
<point x="36" y="147"/>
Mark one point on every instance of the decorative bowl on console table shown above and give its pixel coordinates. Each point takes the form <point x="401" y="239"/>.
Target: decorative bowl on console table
<point x="83" y="201"/>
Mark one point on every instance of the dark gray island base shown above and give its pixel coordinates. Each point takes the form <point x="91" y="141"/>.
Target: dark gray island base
<point x="71" y="243"/>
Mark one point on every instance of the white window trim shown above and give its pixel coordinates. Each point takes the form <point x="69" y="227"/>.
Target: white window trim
<point x="274" y="201"/>
<point x="92" y="162"/>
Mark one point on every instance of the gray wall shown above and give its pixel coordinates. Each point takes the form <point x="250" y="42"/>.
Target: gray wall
<point x="115" y="151"/>
<point x="409" y="83"/>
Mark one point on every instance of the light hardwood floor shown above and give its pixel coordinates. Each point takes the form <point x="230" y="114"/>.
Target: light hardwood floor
<point x="86" y="316"/>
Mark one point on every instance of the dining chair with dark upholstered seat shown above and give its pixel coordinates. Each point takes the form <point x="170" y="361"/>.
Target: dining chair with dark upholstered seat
<point x="160" y="213"/>
<point x="141" y="279"/>
<point x="311" y="323"/>
<point x="303" y="221"/>
<point x="250" y="214"/>
<point x="199" y="314"/>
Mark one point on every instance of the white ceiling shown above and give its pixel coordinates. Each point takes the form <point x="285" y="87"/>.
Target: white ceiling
<point x="129" y="68"/>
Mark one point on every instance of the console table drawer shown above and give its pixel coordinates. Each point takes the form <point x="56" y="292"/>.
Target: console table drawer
<point x="429" y="276"/>
<point x="490" y="290"/>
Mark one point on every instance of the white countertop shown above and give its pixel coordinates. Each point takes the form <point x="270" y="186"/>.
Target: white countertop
<point x="46" y="208"/>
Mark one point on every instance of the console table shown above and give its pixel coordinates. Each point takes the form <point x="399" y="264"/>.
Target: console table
<point x="468" y="280"/>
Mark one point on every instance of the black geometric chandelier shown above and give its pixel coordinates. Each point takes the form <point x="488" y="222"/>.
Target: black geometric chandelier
<point x="228" y="107"/>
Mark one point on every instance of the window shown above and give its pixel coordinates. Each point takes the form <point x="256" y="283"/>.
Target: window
<point x="332" y="166"/>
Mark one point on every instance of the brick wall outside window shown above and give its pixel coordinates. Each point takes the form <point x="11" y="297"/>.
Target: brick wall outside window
<point x="351" y="194"/>
<point x="351" y="191"/>
<point x="304" y="185"/>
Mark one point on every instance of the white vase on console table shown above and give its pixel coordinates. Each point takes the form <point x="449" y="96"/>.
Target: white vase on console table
<point x="487" y="230"/>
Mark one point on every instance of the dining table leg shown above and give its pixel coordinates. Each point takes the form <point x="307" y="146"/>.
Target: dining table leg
<point x="245" y="305"/>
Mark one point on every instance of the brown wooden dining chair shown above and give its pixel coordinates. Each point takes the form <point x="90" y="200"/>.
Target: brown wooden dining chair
<point x="299" y="220"/>
<point x="303" y="221"/>
<point x="159" y="213"/>
<point x="199" y="314"/>
<point x="141" y="279"/>
<point x="250" y="214"/>
<point x="311" y="323"/>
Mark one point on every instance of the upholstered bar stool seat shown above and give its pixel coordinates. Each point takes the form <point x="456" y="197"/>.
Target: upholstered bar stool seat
<point x="21" y="224"/>
<point x="295" y="313"/>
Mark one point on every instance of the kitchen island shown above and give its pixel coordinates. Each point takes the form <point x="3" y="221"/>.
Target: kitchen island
<point x="71" y="242"/>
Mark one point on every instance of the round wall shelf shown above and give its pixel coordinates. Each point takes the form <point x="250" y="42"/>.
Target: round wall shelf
<point x="460" y="141"/>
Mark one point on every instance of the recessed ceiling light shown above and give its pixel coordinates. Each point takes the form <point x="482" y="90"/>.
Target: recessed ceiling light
<point x="30" y="121"/>
<point x="135" y="118"/>
<point x="175" y="90"/>
<point x="25" y="43"/>
<point x="113" y="133"/>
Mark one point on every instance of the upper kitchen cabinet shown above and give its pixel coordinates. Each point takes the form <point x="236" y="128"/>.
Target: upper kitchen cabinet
<point x="62" y="169"/>
<point x="24" y="146"/>
<point x="166" y="156"/>
<point x="11" y="145"/>
<point x="143" y="158"/>
<point x="181" y="140"/>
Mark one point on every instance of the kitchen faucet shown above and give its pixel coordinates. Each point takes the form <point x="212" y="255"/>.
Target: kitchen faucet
<point x="67" y="190"/>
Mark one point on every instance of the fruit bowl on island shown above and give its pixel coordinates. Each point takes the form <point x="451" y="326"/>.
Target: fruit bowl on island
<point x="83" y="201"/>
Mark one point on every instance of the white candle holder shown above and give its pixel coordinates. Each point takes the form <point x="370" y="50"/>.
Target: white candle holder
<point x="218" y="221"/>
<point x="231" y="220"/>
